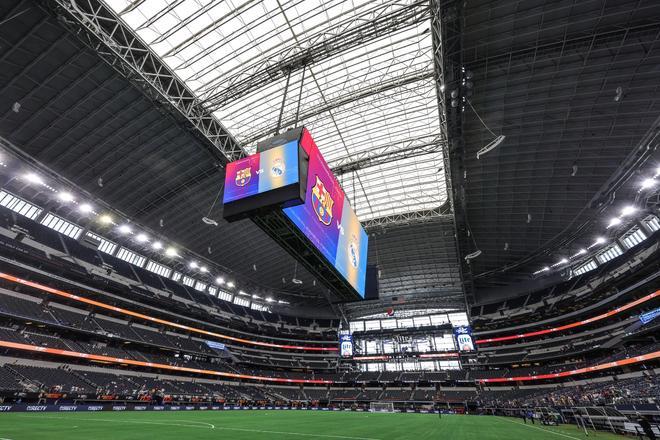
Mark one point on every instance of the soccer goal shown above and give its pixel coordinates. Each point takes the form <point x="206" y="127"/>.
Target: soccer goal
<point x="381" y="407"/>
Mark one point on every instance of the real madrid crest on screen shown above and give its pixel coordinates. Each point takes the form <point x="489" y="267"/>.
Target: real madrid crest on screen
<point x="243" y="176"/>
<point x="278" y="167"/>
<point x="353" y="251"/>
<point x="322" y="202"/>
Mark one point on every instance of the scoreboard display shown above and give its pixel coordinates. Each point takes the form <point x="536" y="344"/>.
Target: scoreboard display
<point x="328" y="221"/>
<point x="266" y="179"/>
<point x="261" y="172"/>
<point x="289" y="173"/>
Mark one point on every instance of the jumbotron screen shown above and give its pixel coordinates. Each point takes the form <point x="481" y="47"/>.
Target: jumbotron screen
<point x="261" y="172"/>
<point x="328" y="221"/>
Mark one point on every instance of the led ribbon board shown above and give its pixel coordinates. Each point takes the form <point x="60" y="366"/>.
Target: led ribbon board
<point x="264" y="179"/>
<point x="561" y="328"/>
<point x="328" y="221"/>
<point x="153" y="319"/>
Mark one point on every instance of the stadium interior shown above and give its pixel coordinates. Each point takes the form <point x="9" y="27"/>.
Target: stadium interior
<point x="492" y="169"/>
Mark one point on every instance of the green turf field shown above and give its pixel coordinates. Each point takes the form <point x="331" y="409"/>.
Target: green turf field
<point x="276" y="425"/>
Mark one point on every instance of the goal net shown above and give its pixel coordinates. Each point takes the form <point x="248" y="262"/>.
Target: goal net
<point x="381" y="407"/>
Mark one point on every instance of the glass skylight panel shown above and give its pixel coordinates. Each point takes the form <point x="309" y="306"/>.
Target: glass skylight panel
<point x="259" y="307"/>
<point x="652" y="223"/>
<point x="224" y="295"/>
<point x="241" y="301"/>
<point x="158" y="269"/>
<point x="200" y="286"/>
<point x="356" y="326"/>
<point x="188" y="281"/>
<point x="176" y="276"/>
<point x="444" y="343"/>
<point x="439" y="319"/>
<point x="105" y="246"/>
<point x="458" y="319"/>
<point x="365" y="98"/>
<point x="131" y="257"/>
<point x="373" y="347"/>
<point x="19" y="205"/>
<point x="62" y="226"/>
<point x="388" y="323"/>
<point x="587" y="267"/>
<point x="213" y="291"/>
<point x="633" y="237"/>
<point x="609" y="253"/>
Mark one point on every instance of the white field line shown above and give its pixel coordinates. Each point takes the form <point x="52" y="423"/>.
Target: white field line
<point x="539" y="428"/>
<point x="211" y="426"/>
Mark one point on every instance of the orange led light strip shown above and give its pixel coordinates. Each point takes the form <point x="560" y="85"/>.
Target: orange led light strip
<point x="623" y="308"/>
<point x="115" y="360"/>
<point x="156" y="320"/>
<point x="605" y="366"/>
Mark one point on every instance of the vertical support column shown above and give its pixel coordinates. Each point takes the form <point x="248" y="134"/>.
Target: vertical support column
<point x="446" y="27"/>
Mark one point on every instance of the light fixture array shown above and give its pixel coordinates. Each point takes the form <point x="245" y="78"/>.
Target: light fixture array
<point x="627" y="211"/>
<point x="125" y="228"/>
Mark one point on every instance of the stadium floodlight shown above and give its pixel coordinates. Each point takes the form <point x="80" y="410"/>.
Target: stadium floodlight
<point x="203" y="269"/>
<point x="171" y="252"/>
<point x="614" y="221"/>
<point x="270" y="300"/>
<point x="581" y="252"/>
<point x="256" y="297"/>
<point x="33" y="178"/>
<point x="219" y="280"/>
<point x="65" y="196"/>
<point x="648" y="183"/>
<point x="243" y="293"/>
<point x="141" y="238"/>
<point x="193" y="265"/>
<point x="157" y="245"/>
<point x="600" y="240"/>
<point x="231" y="284"/>
<point x="105" y="219"/>
<point x="563" y="261"/>
<point x="628" y="210"/>
<point x="124" y="229"/>
<point x="85" y="208"/>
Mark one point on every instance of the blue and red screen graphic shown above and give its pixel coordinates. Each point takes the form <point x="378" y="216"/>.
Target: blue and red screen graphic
<point x="328" y="221"/>
<point x="261" y="172"/>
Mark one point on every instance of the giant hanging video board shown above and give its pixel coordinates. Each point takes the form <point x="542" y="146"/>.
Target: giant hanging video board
<point x="328" y="221"/>
<point x="267" y="178"/>
<point x="289" y="173"/>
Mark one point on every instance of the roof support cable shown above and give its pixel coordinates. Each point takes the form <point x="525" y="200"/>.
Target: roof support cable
<point x="302" y="81"/>
<point x="286" y="90"/>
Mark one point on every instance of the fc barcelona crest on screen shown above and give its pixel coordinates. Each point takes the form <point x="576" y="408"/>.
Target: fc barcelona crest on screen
<point x="243" y="176"/>
<point x="278" y="167"/>
<point x="322" y="202"/>
<point x="353" y="252"/>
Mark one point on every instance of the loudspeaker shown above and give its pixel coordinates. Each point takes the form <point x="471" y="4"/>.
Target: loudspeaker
<point x="371" y="283"/>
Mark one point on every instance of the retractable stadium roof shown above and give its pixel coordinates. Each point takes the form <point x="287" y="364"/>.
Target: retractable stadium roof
<point x="142" y="102"/>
